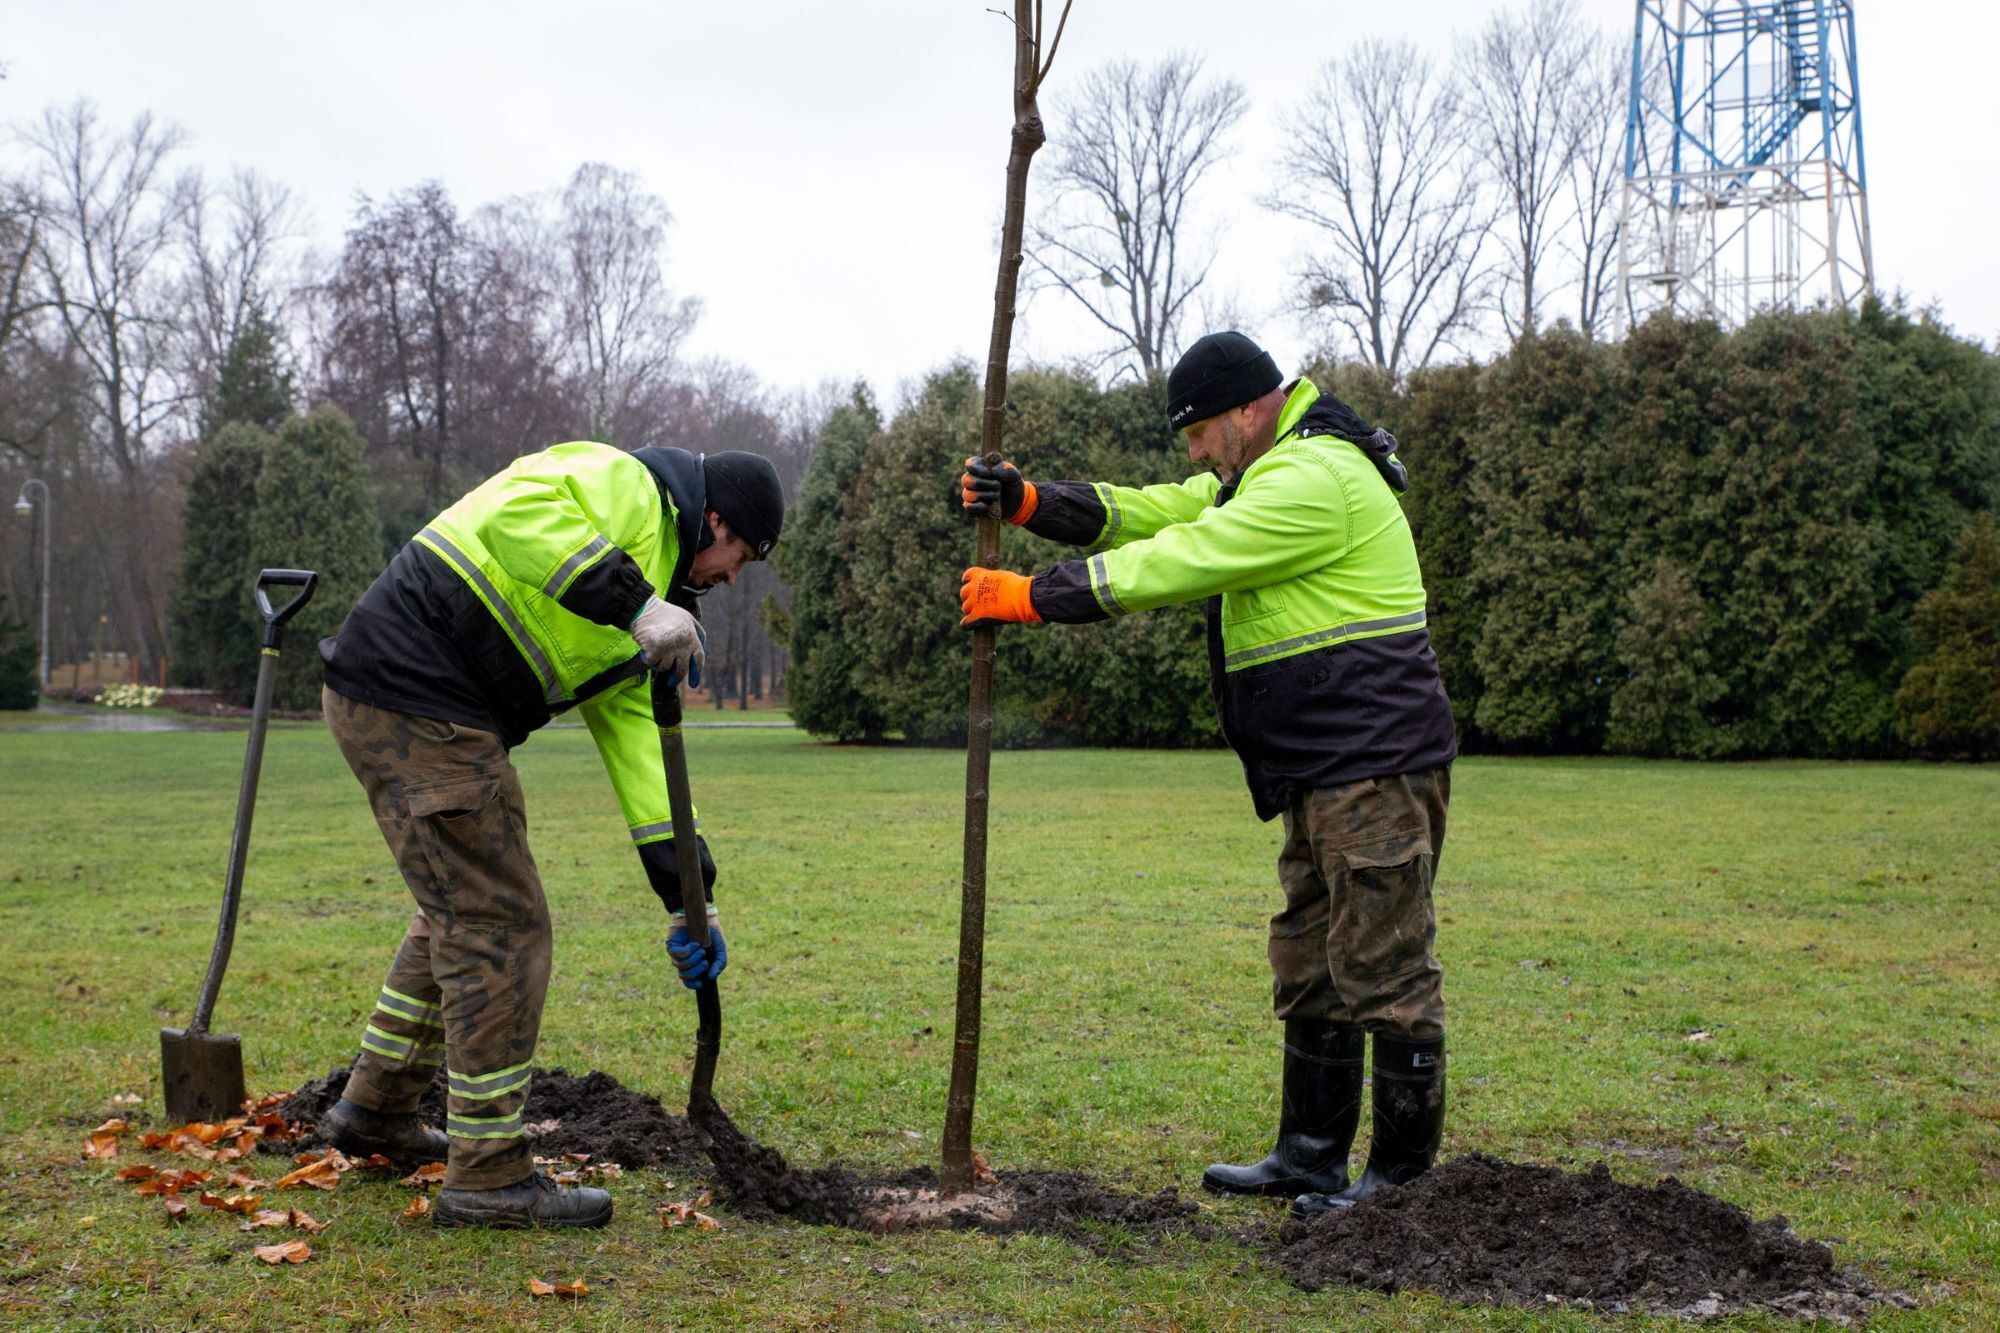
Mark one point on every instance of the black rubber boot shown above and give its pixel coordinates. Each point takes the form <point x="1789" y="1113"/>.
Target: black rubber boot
<point x="534" y="1202"/>
<point x="1316" y="1119"/>
<point x="403" y="1139"/>
<point x="1409" y="1122"/>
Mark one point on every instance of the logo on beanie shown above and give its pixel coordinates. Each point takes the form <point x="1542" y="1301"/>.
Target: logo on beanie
<point x="1176" y="419"/>
<point x="764" y="548"/>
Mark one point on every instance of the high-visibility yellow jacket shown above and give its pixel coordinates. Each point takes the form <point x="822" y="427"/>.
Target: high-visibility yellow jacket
<point x="1320" y="658"/>
<point x="516" y="604"/>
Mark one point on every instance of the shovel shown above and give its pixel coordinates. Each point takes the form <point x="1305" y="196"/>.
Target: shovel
<point x="687" y="856"/>
<point x="202" y="1070"/>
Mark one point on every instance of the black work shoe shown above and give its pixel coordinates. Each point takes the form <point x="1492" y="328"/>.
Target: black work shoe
<point x="1317" y="1117"/>
<point x="1409" y="1122"/>
<point x="403" y="1139"/>
<point x="534" y="1202"/>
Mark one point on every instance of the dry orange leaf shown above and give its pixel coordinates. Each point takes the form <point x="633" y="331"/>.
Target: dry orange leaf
<point x="138" y="1171"/>
<point x="283" y="1217"/>
<point x="235" y="1203"/>
<point x="428" y="1174"/>
<point x="242" y="1179"/>
<point x="156" y="1140"/>
<point x="181" y="1177"/>
<point x="320" y="1175"/>
<point x="578" y="1157"/>
<point x="568" y="1290"/>
<point x="208" y="1133"/>
<point x="114" y="1125"/>
<point x="375" y="1161"/>
<point x="101" y="1145"/>
<point x="419" y="1207"/>
<point x="680" y="1214"/>
<point x="290" y="1252"/>
<point x="177" y="1208"/>
<point x="269" y="1099"/>
<point x="982" y="1172"/>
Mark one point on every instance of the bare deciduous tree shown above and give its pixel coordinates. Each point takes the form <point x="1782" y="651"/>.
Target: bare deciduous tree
<point x="1523" y="76"/>
<point x="1596" y="175"/>
<point x="1376" y="163"/>
<point x="621" y="325"/>
<point x="1133" y="146"/>
<point x="234" y="241"/>
<point x="111" y="212"/>
<point x="25" y="414"/>
<point x="401" y="314"/>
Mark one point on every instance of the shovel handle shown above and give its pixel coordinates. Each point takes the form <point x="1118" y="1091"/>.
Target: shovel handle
<point x="694" y="895"/>
<point x="305" y="580"/>
<point x="680" y="806"/>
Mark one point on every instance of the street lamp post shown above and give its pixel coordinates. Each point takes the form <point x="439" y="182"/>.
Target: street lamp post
<point x="24" y="507"/>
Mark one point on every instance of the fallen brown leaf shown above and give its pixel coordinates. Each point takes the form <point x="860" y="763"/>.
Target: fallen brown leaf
<point x="375" y="1161"/>
<point x="320" y="1175"/>
<point x="419" y="1207"/>
<point x="283" y="1217"/>
<point x="156" y="1140"/>
<point x="114" y="1125"/>
<point x="101" y="1145"/>
<point x="680" y="1214"/>
<point x="290" y="1252"/>
<point x="578" y="1157"/>
<point x="568" y="1290"/>
<point x="138" y="1171"/>
<point x="235" y="1203"/>
<point x="177" y="1208"/>
<point x="242" y="1179"/>
<point x="982" y="1172"/>
<point x="428" y="1174"/>
<point x="180" y="1177"/>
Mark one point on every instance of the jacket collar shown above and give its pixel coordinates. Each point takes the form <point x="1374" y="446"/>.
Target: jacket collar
<point x="682" y="487"/>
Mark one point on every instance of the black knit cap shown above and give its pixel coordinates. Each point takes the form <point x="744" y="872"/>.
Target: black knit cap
<point x="744" y="489"/>
<point x="1221" y="371"/>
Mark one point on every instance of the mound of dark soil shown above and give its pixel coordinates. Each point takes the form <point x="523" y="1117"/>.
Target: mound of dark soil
<point x="594" y="1114"/>
<point x="1478" y="1229"/>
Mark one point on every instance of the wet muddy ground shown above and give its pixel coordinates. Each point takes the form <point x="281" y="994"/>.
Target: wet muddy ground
<point x="1476" y="1229"/>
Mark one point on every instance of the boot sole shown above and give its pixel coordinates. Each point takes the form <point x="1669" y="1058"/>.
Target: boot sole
<point x="358" y="1145"/>
<point x="1289" y="1188"/>
<point x="504" y="1221"/>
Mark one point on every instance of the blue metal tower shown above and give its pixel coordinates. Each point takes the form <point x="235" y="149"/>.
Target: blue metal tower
<point x="1745" y="184"/>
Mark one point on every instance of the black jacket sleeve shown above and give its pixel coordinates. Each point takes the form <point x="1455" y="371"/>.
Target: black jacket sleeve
<point x="609" y="591"/>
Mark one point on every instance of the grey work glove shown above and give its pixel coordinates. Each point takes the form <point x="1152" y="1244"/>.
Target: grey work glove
<point x="668" y="637"/>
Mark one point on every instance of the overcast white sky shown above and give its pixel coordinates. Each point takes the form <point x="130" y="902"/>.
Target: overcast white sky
<point x="835" y="168"/>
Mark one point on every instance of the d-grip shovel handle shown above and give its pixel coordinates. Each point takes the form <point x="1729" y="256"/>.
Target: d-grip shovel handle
<point x="305" y="580"/>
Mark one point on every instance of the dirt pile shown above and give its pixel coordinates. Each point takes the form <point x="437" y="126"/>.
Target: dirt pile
<point x="1482" y="1230"/>
<point x="593" y="1113"/>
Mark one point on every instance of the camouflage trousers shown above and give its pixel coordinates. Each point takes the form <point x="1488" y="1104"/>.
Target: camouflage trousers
<point x="467" y="984"/>
<point x="1354" y="942"/>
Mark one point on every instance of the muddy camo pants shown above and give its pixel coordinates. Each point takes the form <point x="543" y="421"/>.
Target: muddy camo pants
<point x="467" y="984"/>
<point x="1353" y="943"/>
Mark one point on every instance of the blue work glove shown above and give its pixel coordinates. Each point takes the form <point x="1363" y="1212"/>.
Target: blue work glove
<point x="694" y="963"/>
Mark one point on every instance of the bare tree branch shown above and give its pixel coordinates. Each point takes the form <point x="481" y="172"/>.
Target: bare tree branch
<point x="1115" y="235"/>
<point x="1522" y="79"/>
<point x="1376" y="164"/>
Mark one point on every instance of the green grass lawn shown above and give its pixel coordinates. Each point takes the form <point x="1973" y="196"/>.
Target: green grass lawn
<point x="1833" y="927"/>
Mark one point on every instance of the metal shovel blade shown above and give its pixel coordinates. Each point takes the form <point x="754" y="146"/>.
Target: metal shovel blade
<point x="203" y="1073"/>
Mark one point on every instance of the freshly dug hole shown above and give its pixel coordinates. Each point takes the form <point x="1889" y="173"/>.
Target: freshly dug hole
<point x="1482" y="1230"/>
<point x="597" y="1114"/>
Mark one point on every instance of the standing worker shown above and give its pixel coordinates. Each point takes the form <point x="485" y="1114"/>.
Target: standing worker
<point x="554" y="584"/>
<point x="1327" y="689"/>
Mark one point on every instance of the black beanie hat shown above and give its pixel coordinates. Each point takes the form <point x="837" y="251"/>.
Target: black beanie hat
<point x="744" y="489"/>
<point x="1221" y="371"/>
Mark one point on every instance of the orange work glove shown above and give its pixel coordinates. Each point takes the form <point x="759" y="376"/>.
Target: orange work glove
<point x="995" y="594"/>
